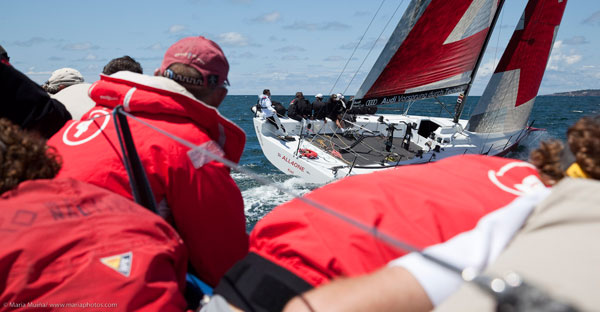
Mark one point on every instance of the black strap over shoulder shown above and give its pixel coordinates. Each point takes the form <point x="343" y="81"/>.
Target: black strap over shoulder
<point x="257" y="284"/>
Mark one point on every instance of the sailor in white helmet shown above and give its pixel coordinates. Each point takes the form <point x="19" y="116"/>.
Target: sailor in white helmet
<point x="319" y="107"/>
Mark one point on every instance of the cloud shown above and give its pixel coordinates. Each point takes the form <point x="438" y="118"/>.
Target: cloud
<point x="92" y="67"/>
<point x="32" y="71"/>
<point x="569" y="79"/>
<point x="30" y="42"/>
<point x="290" y="49"/>
<point x="175" y="29"/>
<point x="149" y="58"/>
<point x="366" y="45"/>
<point x="593" y="19"/>
<point x="487" y="68"/>
<point x="268" y="18"/>
<point x="240" y="55"/>
<point x="56" y="58"/>
<point x="234" y="39"/>
<point x="277" y="39"/>
<point x="361" y="13"/>
<point x="334" y="59"/>
<point x="90" y="57"/>
<point x="576" y="40"/>
<point x="572" y="59"/>
<point x="560" y="59"/>
<point x="155" y="47"/>
<point x="293" y="58"/>
<point x="317" y="27"/>
<point x="84" y="46"/>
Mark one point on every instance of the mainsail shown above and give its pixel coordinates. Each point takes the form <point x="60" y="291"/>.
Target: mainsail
<point x="508" y="98"/>
<point x="432" y="52"/>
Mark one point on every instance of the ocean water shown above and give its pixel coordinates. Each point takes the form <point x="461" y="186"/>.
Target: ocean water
<point x="552" y="113"/>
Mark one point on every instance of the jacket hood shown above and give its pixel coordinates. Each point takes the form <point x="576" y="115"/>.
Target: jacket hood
<point x="159" y="95"/>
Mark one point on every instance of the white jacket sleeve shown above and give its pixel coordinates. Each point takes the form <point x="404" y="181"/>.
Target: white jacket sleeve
<point x="473" y="249"/>
<point x="265" y="103"/>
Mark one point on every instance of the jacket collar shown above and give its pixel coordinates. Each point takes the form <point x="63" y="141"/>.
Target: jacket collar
<point x="163" y="96"/>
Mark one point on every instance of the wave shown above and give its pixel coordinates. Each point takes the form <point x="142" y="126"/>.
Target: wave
<point x="260" y="199"/>
<point x="529" y="143"/>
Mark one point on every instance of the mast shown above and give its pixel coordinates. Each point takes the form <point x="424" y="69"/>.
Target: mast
<point x="461" y="105"/>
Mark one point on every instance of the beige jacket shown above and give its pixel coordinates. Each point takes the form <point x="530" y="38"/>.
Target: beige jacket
<point x="556" y="250"/>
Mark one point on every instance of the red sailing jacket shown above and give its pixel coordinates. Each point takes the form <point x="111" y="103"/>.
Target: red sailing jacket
<point x="201" y="200"/>
<point x="420" y="205"/>
<point x="69" y="244"/>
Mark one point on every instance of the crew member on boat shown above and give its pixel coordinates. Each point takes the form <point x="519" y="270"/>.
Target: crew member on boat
<point x="319" y="108"/>
<point x="297" y="247"/>
<point x="27" y="104"/>
<point x="62" y="78"/>
<point x="299" y="108"/>
<point x="336" y="109"/>
<point x="279" y="108"/>
<point x="71" y="243"/>
<point x="269" y="113"/>
<point x="198" y="196"/>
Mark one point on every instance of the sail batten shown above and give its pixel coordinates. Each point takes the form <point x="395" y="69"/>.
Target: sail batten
<point x="433" y="50"/>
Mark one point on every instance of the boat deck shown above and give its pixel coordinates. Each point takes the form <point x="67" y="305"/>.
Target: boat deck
<point x="368" y="150"/>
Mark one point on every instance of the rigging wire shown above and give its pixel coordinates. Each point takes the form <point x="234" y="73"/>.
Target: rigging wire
<point x="356" y="48"/>
<point x="468" y="274"/>
<point x="373" y="46"/>
<point x="498" y="39"/>
<point x="495" y="66"/>
<point x="495" y="60"/>
<point x="370" y="50"/>
<point x="369" y="229"/>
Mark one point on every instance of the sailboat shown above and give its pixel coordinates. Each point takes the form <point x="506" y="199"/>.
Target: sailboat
<point x="435" y="50"/>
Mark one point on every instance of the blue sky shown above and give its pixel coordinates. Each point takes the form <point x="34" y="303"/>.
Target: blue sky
<point x="286" y="46"/>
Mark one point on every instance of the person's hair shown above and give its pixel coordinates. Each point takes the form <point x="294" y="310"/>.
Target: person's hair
<point x="24" y="156"/>
<point x="299" y="94"/>
<point x="583" y="138"/>
<point x="50" y="89"/>
<point x="183" y="73"/>
<point x="122" y="63"/>
<point x="546" y="159"/>
<point x="3" y="55"/>
<point x="265" y="91"/>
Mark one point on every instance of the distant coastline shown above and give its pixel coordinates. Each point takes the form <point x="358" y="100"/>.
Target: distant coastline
<point x="589" y="92"/>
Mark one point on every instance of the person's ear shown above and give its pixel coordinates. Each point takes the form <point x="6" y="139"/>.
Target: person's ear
<point x="157" y="72"/>
<point x="216" y="97"/>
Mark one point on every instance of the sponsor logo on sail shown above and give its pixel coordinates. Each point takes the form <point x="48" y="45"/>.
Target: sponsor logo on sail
<point x="528" y="184"/>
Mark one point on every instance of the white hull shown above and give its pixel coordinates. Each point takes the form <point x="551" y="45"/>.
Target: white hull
<point x="447" y="140"/>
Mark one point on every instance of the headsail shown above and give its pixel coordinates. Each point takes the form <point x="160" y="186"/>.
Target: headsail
<point x="508" y="98"/>
<point x="432" y="51"/>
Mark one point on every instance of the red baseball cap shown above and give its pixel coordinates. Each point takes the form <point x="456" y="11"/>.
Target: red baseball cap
<point x="202" y="54"/>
